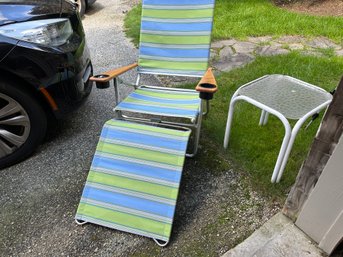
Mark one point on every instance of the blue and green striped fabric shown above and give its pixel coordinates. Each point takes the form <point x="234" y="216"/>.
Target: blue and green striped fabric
<point x="134" y="179"/>
<point x="175" y="37"/>
<point x="164" y="102"/>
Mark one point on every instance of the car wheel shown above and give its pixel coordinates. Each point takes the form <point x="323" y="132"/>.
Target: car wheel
<point x="82" y="6"/>
<point x="23" y="124"/>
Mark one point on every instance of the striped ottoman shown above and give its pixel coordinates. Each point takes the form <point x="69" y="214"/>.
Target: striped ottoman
<point x="134" y="179"/>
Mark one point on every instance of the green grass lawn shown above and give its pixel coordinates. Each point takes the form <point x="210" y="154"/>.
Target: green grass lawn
<point x="239" y="19"/>
<point x="243" y="18"/>
<point x="253" y="148"/>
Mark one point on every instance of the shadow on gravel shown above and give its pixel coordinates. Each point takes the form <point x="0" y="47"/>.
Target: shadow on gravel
<point x="94" y="8"/>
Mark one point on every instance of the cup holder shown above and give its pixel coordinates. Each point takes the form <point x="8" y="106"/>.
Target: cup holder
<point x="101" y="76"/>
<point x="206" y="90"/>
<point x="102" y="84"/>
<point x="206" y="85"/>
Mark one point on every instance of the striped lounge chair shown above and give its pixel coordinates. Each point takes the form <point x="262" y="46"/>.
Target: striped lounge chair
<point x="175" y="40"/>
<point x="135" y="175"/>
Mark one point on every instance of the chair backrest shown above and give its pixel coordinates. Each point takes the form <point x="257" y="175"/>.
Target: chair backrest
<point x="175" y="37"/>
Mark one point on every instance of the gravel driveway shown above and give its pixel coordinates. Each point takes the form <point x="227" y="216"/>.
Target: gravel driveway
<point x="39" y="196"/>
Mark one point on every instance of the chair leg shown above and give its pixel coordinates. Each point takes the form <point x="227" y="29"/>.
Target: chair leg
<point x="197" y="131"/>
<point x="116" y="91"/>
<point x="118" y="115"/>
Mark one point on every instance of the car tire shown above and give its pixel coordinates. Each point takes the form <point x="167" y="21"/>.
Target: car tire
<point x="23" y="124"/>
<point x="82" y="6"/>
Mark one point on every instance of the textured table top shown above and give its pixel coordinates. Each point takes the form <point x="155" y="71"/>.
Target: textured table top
<point x="289" y="96"/>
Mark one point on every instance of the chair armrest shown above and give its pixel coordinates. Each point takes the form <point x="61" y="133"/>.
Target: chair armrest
<point x="108" y="75"/>
<point x="208" y="83"/>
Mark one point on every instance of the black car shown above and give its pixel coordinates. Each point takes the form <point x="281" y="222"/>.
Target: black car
<point x="45" y="68"/>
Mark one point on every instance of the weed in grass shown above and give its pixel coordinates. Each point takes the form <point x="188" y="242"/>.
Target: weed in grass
<point x="212" y="158"/>
<point x="286" y="46"/>
<point x="326" y="52"/>
<point x="216" y="56"/>
<point x="265" y="43"/>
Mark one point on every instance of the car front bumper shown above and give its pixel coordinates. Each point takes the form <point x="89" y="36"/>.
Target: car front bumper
<point x="73" y="85"/>
<point x="61" y="74"/>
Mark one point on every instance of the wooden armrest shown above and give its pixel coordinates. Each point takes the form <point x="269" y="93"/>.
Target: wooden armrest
<point x="208" y="83"/>
<point x="108" y="75"/>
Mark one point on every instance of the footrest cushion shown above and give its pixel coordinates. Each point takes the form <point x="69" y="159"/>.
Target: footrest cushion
<point x="134" y="179"/>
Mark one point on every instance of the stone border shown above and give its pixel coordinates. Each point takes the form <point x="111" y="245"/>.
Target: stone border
<point x="229" y="54"/>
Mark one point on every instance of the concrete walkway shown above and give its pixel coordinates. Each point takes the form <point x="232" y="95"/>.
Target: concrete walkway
<point x="229" y="54"/>
<point x="278" y="237"/>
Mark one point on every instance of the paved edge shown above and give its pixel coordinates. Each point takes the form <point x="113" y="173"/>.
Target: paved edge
<point x="278" y="237"/>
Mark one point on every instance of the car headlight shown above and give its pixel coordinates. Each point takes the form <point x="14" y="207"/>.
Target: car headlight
<point x="50" y="32"/>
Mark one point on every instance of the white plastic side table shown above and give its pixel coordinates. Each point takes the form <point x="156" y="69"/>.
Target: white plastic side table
<point x="286" y="98"/>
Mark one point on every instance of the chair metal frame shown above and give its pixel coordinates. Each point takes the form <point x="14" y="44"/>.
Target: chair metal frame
<point x="194" y="124"/>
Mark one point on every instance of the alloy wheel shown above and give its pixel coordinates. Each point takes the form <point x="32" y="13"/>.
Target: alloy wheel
<point x="14" y="125"/>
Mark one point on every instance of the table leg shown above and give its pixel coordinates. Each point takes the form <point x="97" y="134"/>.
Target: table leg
<point x="289" y="148"/>
<point x="283" y="149"/>
<point x="229" y="121"/>
<point x="264" y="118"/>
<point x="267" y="109"/>
<point x="294" y="133"/>
<point x="263" y="114"/>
